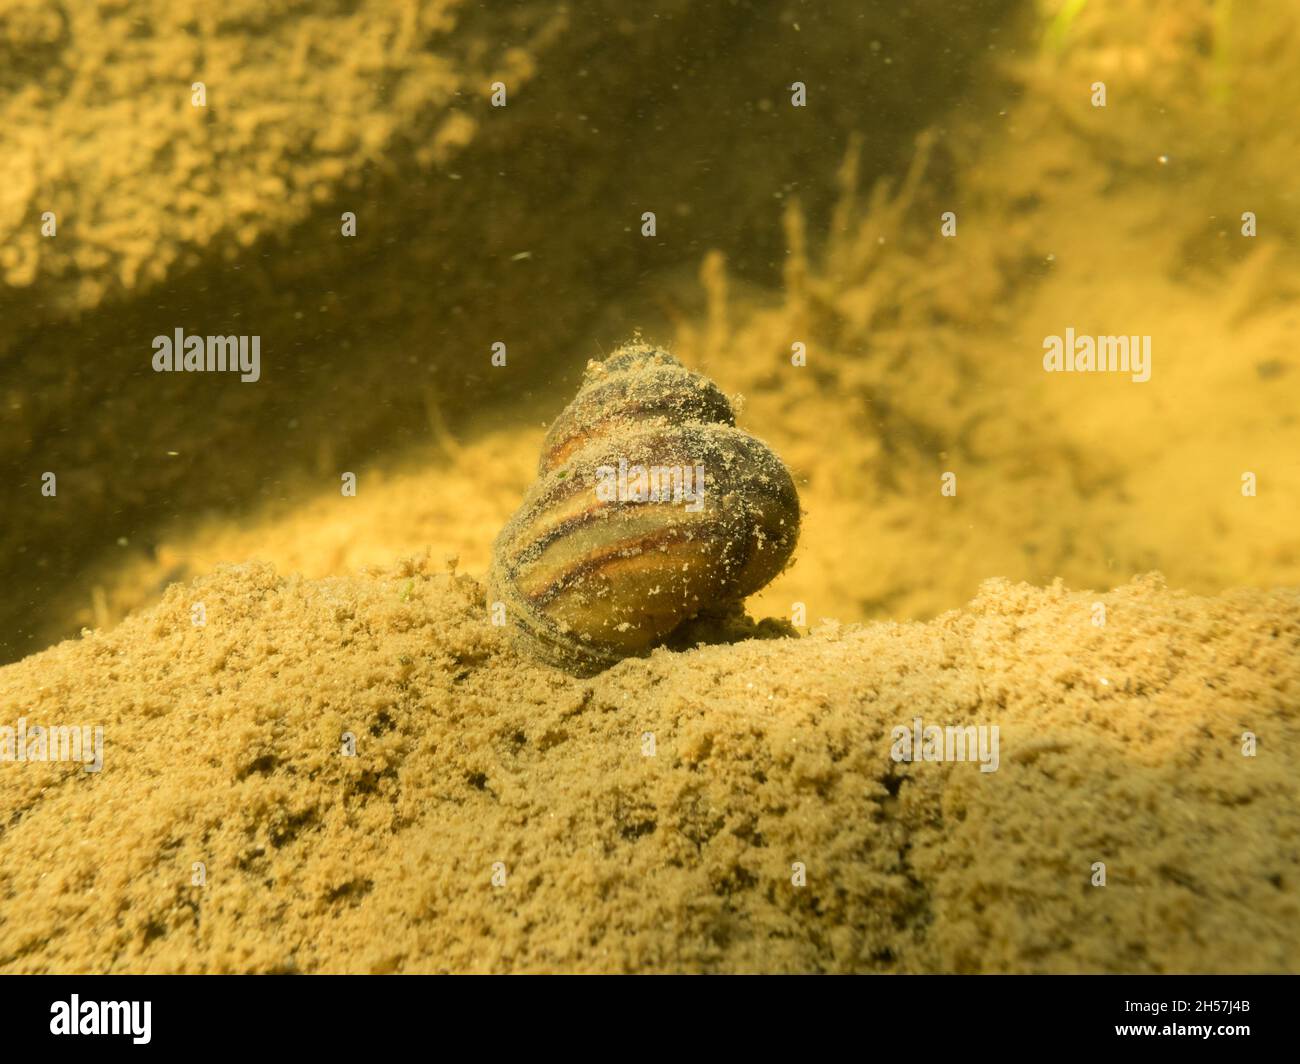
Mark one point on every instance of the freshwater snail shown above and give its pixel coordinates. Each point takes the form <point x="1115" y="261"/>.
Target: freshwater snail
<point x="650" y="507"/>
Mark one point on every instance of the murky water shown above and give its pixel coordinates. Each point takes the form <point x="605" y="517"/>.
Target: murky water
<point x="1012" y="289"/>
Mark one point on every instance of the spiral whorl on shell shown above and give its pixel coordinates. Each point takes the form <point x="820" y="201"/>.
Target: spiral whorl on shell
<point x="596" y="565"/>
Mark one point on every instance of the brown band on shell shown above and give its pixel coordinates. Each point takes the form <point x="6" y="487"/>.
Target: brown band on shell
<point x="588" y="580"/>
<point x="648" y="387"/>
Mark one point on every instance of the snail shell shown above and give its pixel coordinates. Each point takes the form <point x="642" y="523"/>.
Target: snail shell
<point x="592" y="571"/>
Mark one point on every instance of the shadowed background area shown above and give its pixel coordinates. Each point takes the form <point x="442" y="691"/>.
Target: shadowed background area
<point x="475" y="224"/>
